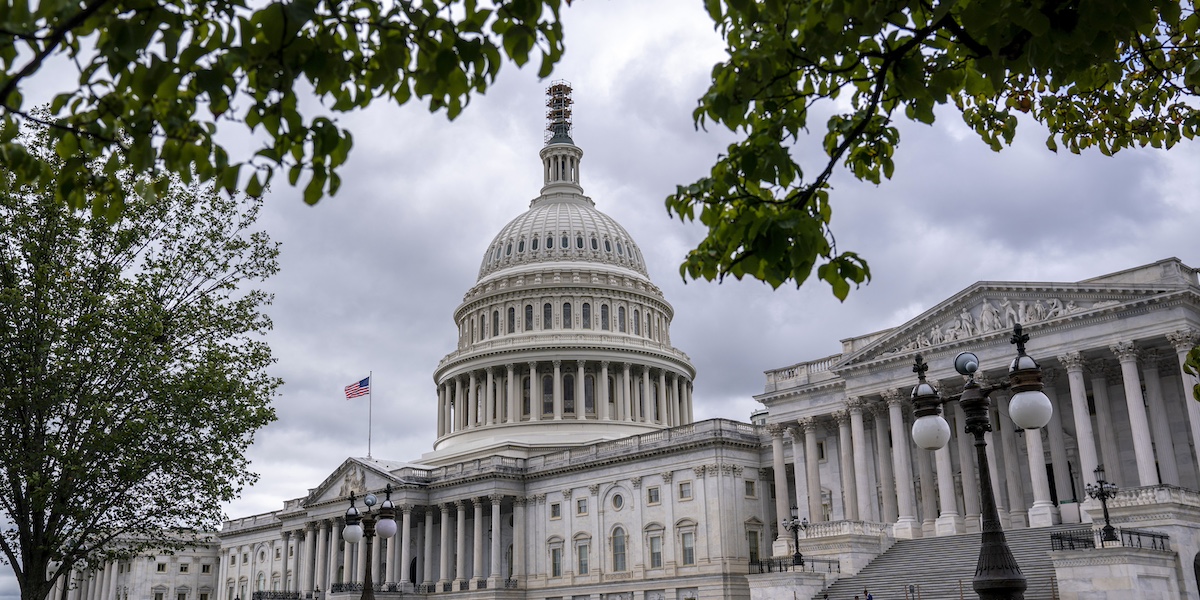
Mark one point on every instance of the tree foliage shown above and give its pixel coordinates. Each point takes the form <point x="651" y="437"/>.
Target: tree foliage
<point x="1103" y="74"/>
<point x="152" y="81"/>
<point x="132" y="371"/>
<point x="1192" y="366"/>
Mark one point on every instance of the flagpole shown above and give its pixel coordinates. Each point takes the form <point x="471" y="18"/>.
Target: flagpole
<point x="370" y="404"/>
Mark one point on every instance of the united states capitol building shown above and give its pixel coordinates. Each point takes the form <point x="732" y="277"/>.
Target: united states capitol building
<point x="567" y="464"/>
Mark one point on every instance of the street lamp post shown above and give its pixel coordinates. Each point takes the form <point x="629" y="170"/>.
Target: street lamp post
<point x="997" y="574"/>
<point x="359" y="526"/>
<point x="794" y="525"/>
<point x="1103" y="491"/>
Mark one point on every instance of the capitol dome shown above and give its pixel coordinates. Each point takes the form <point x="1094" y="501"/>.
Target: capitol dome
<point x="563" y="340"/>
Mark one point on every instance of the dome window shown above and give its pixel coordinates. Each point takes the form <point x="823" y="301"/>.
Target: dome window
<point x="508" y="250"/>
<point x="579" y="242"/>
<point x="621" y="319"/>
<point x="520" y="246"/>
<point x="496" y="256"/>
<point x="595" y="246"/>
<point x="607" y="246"/>
<point x="535" y="243"/>
<point x="587" y="315"/>
<point x="547" y="316"/>
<point x="637" y="322"/>
<point x="566" y="314"/>
<point x="549" y="242"/>
<point x="528" y="317"/>
<point x="512" y="319"/>
<point x="604" y="317"/>
<point x="620" y="251"/>
<point x="495" y="323"/>
<point x="566" y="242"/>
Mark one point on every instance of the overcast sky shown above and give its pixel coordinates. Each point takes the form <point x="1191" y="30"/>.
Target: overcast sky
<point x="370" y="278"/>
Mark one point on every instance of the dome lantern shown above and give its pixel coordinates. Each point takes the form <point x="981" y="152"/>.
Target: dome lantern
<point x="560" y="156"/>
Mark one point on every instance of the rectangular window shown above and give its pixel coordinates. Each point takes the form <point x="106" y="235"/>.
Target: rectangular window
<point x="556" y="562"/>
<point x="581" y="506"/>
<point x="685" y="490"/>
<point x="205" y="569"/>
<point x="204" y="596"/>
<point x="232" y="559"/>
<point x="656" y="552"/>
<point x="751" y="488"/>
<point x="652" y="496"/>
<point x="181" y="596"/>
<point x="752" y="537"/>
<point x="820" y="450"/>
<point x="688" y="540"/>
<point x="555" y="510"/>
<point x="161" y="568"/>
<point x="183" y="567"/>
<point x="158" y="596"/>
<point x="581" y="554"/>
<point x="245" y="558"/>
<point x="277" y="553"/>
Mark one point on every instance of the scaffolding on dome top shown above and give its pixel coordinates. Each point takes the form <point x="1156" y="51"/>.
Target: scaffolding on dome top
<point x="558" y="111"/>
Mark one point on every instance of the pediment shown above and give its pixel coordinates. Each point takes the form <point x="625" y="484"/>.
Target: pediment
<point x="354" y="475"/>
<point x="991" y="309"/>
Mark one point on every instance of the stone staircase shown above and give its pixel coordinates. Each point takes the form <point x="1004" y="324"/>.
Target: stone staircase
<point x="941" y="568"/>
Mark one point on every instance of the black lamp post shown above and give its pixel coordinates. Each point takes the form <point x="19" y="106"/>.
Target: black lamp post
<point x="997" y="574"/>
<point x="1103" y="491"/>
<point x="368" y="525"/>
<point x="794" y="525"/>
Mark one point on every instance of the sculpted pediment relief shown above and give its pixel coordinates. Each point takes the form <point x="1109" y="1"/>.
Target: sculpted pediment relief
<point x="984" y="311"/>
<point x="351" y="476"/>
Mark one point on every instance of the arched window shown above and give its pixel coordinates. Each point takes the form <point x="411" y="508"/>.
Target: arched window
<point x="535" y="243"/>
<point x="607" y="246"/>
<point x="587" y="315"/>
<point x="512" y="319"/>
<point x="621" y="319"/>
<point x="472" y="330"/>
<point x="508" y="249"/>
<point x="595" y="246"/>
<point x="589" y="394"/>
<point x="620" y="251"/>
<point x="549" y="242"/>
<point x="520" y="246"/>
<point x="604" y="317"/>
<point x="566" y="243"/>
<point x="547" y="395"/>
<point x="495" y="323"/>
<point x="528" y="317"/>
<point x="525" y="381"/>
<point x="618" y="550"/>
<point x="567" y="320"/>
<point x="547" y="316"/>
<point x="637" y="322"/>
<point x="261" y="582"/>
<point x="579" y="242"/>
<point x="569" y="394"/>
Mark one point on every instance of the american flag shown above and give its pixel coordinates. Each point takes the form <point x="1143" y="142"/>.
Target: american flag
<point x="358" y="388"/>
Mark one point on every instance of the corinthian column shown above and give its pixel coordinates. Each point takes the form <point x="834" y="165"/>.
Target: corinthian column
<point x="1101" y="375"/>
<point x="812" y="469"/>
<point x="1184" y="340"/>
<point x="846" y="465"/>
<point x="887" y="480"/>
<point x="1160" y="423"/>
<point x="906" y="526"/>
<point x="558" y="391"/>
<point x="1084" y="439"/>
<point x="781" y="546"/>
<point x="858" y="437"/>
<point x="602" y="393"/>
<point x="1143" y="448"/>
<point x="970" y="478"/>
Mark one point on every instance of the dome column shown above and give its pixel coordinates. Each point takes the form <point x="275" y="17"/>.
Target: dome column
<point x="558" y="392"/>
<point x="535" y="393"/>
<point x="514" y="411"/>
<point x="580" y="397"/>
<point x="472" y="402"/>
<point x="457" y="420"/>
<point x="489" y="417"/>
<point x="678" y="401"/>
<point x="602" y="395"/>
<point x="663" y="418"/>
<point x="441" y="414"/>
<point x="623" y="394"/>
<point x="644" y="399"/>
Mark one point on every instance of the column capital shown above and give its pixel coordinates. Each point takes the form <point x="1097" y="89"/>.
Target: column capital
<point x="532" y="366"/>
<point x="557" y="363"/>
<point x="1184" y="339"/>
<point x="594" y="489"/>
<point x="892" y="396"/>
<point x="667" y="476"/>
<point x="510" y="367"/>
<point x="567" y="493"/>
<point x="520" y="501"/>
<point x="855" y="404"/>
<point x="878" y="409"/>
<point x="604" y="364"/>
<point x="1125" y="351"/>
<point x="636" y="482"/>
<point x="496" y="499"/>
<point x="776" y="429"/>
<point x="842" y="417"/>
<point x="700" y="471"/>
<point x="1073" y="361"/>
<point x="807" y="424"/>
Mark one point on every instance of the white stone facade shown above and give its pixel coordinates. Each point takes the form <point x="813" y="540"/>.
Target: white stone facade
<point x="567" y="465"/>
